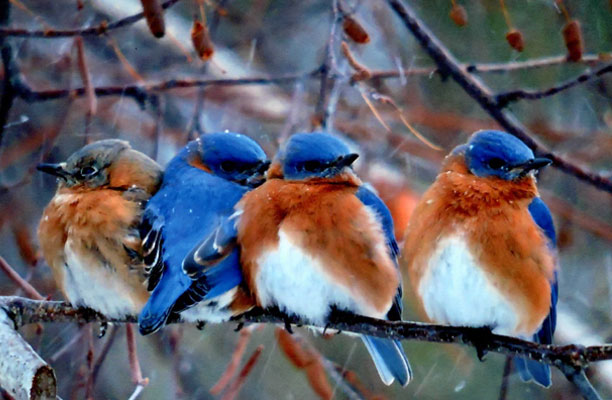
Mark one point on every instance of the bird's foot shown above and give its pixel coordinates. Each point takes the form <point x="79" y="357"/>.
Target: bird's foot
<point x="480" y="338"/>
<point x="103" y="329"/>
<point x="200" y="325"/>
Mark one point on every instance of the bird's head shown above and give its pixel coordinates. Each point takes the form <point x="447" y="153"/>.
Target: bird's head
<point x="314" y="155"/>
<point x="231" y="156"/>
<point x="491" y="153"/>
<point x="97" y="164"/>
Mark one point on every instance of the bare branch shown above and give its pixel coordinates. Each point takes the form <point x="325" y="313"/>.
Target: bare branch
<point x="449" y="65"/>
<point x="503" y="99"/>
<point x="28" y="289"/>
<point x="25" y="311"/>
<point x="88" y="31"/>
<point x="23" y="373"/>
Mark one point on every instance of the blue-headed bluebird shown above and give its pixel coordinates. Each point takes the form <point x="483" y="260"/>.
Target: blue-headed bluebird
<point x="201" y="185"/>
<point x="313" y="239"/>
<point x="480" y="246"/>
<point x="89" y="231"/>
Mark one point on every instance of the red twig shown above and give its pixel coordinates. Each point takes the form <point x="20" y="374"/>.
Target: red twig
<point x="482" y="94"/>
<point x="92" y="104"/>
<point x="232" y="367"/>
<point x="88" y="31"/>
<point x="235" y="387"/>
<point x="134" y="363"/>
<point x="29" y="290"/>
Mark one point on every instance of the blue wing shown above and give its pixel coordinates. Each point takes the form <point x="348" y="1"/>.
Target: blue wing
<point x="151" y="238"/>
<point x="387" y="354"/>
<point x="181" y="214"/>
<point x="530" y="369"/>
<point x="371" y="200"/>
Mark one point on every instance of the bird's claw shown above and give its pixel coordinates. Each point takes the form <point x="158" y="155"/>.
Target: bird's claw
<point x="103" y="329"/>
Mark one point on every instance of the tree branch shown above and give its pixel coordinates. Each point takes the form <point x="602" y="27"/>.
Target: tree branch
<point x="449" y="65"/>
<point x="23" y="373"/>
<point x="97" y="30"/>
<point x="25" y="311"/>
<point x="505" y="98"/>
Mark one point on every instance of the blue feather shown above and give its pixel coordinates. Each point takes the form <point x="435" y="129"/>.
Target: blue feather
<point x="389" y="358"/>
<point x="529" y="369"/>
<point x="191" y="203"/>
<point x="388" y="354"/>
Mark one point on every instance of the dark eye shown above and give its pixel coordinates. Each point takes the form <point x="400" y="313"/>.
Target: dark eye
<point x="87" y="172"/>
<point x="496" y="163"/>
<point x="312" y="166"/>
<point x="229" y="166"/>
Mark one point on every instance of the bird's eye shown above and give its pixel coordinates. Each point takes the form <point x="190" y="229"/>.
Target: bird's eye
<point x="497" y="163"/>
<point x="313" y="166"/>
<point x="229" y="166"/>
<point x="87" y="172"/>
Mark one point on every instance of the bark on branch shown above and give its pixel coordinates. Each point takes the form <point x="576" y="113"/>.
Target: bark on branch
<point x="24" y="311"/>
<point x="23" y="374"/>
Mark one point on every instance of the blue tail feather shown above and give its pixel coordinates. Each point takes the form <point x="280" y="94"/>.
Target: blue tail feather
<point x="533" y="370"/>
<point x="389" y="358"/>
<point x="158" y="307"/>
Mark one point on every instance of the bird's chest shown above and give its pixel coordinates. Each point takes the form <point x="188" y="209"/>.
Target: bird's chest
<point x="88" y="280"/>
<point x="290" y="278"/>
<point x="455" y="290"/>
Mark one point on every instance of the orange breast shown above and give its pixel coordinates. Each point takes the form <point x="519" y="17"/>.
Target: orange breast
<point x="97" y="222"/>
<point x="326" y="219"/>
<point x="500" y="231"/>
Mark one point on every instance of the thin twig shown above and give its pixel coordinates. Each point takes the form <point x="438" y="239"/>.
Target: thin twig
<point x="328" y="68"/>
<point x="97" y="30"/>
<point x="503" y="389"/>
<point x="232" y="367"/>
<point x="133" y="357"/>
<point x="235" y="387"/>
<point x="579" y="378"/>
<point x="505" y="98"/>
<point x="139" y="92"/>
<point x="449" y="65"/>
<point x="97" y="366"/>
<point x="29" y="290"/>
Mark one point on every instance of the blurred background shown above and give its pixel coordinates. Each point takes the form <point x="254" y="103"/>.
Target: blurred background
<point x="291" y="40"/>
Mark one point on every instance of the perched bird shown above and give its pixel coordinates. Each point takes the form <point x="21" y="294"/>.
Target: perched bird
<point x="313" y="240"/>
<point x="480" y="245"/>
<point x="89" y="230"/>
<point x="200" y="188"/>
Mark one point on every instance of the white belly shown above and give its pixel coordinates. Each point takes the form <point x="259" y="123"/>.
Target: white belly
<point x="297" y="284"/>
<point x="96" y="286"/>
<point x="215" y="310"/>
<point x="455" y="291"/>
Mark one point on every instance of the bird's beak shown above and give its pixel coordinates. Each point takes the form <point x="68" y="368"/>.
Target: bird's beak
<point x="263" y="166"/>
<point x="346" y="161"/>
<point x="532" y="165"/>
<point x="258" y="176"/>
<point x="54" y="169"/>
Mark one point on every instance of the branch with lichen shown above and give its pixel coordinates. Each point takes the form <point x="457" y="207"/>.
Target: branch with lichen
<point x="571" y="359"/>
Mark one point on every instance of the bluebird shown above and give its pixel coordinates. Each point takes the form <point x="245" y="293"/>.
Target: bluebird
<point x="480" y="245"/>
<point x="89" y="230"/>
<point x="201" y="185"/>
<point x="314" y="240"/>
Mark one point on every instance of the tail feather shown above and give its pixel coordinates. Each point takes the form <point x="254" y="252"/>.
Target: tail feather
<point x="533" y="370"/>
<point x="158" y="307"/>
<point x="389" y="359"/>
